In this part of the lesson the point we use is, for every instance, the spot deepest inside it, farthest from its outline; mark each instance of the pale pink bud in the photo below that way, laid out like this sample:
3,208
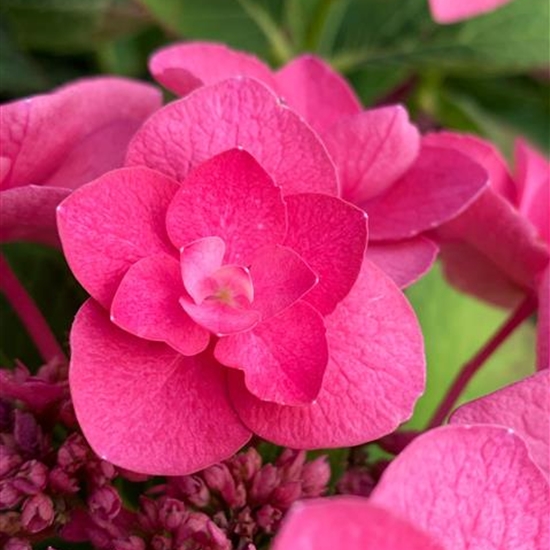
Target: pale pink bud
9,495
268,518
73,453
148,515
131,543
37,513
9,460
291,462
284,495
193,489
315,477
245,466
104,503
61,482
219,478
31,478
264,483
172,513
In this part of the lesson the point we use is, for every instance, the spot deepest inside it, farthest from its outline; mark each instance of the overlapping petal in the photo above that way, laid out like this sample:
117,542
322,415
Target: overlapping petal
523,407
229,196
239,112
146,407
469,487
374,344
348,522
283,358
543,323
111,223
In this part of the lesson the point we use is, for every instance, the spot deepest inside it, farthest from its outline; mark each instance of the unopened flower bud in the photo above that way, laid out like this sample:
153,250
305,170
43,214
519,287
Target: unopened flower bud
264,483
131,543
268,518
315,477
245,466
27,433
219,478
172,513
104,503
9,460
37,513
62,482
160,542
17,544
290,463
73,453
31,477
148,514
284,495
193,489
10,497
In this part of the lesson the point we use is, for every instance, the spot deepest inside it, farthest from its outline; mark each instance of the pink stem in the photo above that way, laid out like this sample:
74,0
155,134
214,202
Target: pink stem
524,310
28,312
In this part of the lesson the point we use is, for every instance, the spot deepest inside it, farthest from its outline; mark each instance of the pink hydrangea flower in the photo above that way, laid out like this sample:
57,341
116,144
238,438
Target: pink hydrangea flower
498,249
405,186
452,11
53,143
230,294
460,486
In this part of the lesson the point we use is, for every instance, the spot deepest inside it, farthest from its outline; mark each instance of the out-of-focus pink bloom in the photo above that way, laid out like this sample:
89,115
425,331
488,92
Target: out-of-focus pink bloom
498,249
451,11
405,186
460,486
230,293
53,143
523,407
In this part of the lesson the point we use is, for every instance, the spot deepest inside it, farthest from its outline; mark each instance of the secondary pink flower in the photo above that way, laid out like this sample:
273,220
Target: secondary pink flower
451,11
498,249
226,298
406,187
53,143
453,487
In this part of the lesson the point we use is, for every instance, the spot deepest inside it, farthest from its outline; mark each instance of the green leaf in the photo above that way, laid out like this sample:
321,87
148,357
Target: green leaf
455,327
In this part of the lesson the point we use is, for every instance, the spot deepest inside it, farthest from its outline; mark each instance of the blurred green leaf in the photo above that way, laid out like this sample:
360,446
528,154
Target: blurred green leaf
455,327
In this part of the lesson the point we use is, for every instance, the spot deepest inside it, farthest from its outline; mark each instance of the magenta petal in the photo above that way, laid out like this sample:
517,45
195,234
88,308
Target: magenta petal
543,323
523,407
350,523
283,358
451,11
146,304
374,376
439,185
75,133
371,150
470,487
331,236
229,196
186,66
143,406
239,112
28,213
318,93
404,261
280,279
113,222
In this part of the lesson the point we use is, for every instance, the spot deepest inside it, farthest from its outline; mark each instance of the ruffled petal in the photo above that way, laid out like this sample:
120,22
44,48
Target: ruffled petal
347,522
371,150
331,236
404,261
229,196
311,87
374,376
113,222
523,407
145,407
146,304
28,213
441,184
283,358
239,112
183,67
469,487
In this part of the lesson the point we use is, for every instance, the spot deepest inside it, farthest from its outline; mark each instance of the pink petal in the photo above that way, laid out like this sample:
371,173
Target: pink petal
311,87
283,358
371,150
113,222
143,406
229,196
331,236
219,317
440,185
451,11
404,261
374,375
146,304
493,227
28,213
471,487
522,406
75,133
533,178
186,66
543,323
280,279
239,112
481,151
350,523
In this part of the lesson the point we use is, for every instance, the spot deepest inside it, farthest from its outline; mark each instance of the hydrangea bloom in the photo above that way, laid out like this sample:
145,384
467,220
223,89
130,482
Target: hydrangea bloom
451,11
498,249
53,143
230,294
469,486
405,186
